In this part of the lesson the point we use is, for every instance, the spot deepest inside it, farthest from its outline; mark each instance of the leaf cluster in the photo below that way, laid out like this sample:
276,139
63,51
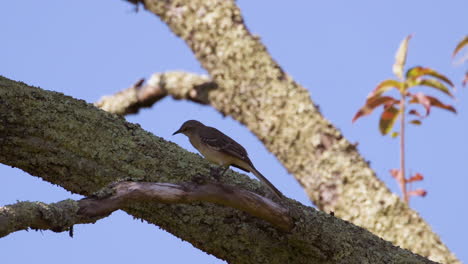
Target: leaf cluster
414,77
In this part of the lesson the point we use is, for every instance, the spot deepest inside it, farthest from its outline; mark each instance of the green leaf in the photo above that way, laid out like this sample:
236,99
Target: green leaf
372,103
400,57
460,45
416,72
416,122
387,119
434,84
385,86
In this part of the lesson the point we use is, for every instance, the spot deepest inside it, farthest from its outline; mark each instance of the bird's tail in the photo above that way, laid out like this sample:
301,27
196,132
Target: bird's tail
267,182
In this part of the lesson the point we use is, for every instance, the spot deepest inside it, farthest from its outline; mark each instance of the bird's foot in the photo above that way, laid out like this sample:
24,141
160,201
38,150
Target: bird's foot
199,178
215,173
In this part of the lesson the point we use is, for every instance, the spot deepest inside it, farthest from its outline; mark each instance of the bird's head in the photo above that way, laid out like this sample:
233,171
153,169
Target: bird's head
189,127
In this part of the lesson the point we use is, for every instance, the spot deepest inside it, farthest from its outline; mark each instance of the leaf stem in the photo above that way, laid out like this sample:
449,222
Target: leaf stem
402,149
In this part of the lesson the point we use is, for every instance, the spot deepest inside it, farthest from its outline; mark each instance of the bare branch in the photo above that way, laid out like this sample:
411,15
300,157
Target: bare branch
127,193
178,84
61,216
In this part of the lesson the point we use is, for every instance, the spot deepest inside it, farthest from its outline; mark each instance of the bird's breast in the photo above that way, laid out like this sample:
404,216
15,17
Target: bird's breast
211,154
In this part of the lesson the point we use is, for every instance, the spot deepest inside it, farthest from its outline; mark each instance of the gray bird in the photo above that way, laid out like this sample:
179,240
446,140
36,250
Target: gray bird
220,149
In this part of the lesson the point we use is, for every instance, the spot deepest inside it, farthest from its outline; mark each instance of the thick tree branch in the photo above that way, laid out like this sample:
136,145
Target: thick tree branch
254,90
61,216
75,145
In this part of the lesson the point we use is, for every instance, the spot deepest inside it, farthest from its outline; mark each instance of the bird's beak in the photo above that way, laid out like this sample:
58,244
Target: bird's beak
177,132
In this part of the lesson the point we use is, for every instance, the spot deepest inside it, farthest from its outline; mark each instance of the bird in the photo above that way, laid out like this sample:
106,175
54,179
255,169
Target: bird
221,150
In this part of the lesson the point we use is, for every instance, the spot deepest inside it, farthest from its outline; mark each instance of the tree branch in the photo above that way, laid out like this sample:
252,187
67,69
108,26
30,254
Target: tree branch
73,144
61,216
254,90
57,217
126,193
140,95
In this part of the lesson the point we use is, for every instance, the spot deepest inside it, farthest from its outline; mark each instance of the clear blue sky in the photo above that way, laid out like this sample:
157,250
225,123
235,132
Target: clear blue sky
338,50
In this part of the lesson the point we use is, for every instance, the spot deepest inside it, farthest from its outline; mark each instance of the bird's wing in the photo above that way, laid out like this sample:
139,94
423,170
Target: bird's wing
221,142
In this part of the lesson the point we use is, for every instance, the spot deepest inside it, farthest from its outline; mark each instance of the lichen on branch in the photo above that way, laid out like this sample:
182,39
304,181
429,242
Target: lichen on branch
81,148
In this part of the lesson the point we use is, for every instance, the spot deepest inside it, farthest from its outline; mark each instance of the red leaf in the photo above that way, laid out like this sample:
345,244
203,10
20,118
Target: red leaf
416,72
416,113
387,119
435,102
465,81
422,99
385,86
428,101
372,103
396,174
418,192
416,177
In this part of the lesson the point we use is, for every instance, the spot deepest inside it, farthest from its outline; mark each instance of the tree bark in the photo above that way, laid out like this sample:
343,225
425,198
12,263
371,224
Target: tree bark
179,85
72,144
253,89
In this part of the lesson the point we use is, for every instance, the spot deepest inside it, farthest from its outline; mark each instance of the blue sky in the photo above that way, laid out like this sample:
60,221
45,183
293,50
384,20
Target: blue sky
338,50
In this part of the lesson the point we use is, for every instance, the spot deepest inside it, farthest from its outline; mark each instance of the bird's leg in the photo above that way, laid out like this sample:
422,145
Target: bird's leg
224,171
217,173
199,178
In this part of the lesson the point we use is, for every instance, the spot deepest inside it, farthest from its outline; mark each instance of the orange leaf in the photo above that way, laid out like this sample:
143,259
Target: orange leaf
460,45
416,177
415,122
387,119
418,192
385,86
400,57
372,103
416,72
